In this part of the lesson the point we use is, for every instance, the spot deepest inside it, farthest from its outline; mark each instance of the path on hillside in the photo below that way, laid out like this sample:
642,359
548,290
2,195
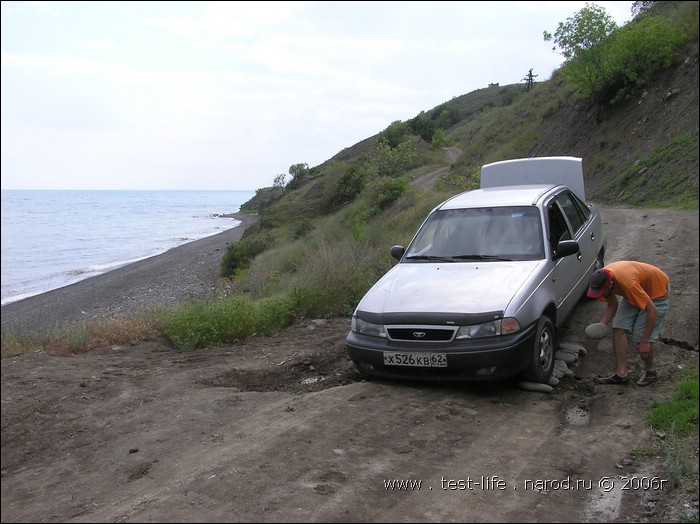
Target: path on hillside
428,180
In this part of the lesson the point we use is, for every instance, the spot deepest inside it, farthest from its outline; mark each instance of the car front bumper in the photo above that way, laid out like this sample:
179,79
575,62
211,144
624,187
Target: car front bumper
484,359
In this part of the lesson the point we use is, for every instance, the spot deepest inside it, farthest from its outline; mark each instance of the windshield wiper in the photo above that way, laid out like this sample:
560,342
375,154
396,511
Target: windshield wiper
480,257
430,258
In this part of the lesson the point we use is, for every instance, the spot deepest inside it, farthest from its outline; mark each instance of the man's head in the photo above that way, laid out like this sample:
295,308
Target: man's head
600,283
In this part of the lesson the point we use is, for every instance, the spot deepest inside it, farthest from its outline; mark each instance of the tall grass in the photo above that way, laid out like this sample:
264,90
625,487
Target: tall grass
85,336
202,324
677,418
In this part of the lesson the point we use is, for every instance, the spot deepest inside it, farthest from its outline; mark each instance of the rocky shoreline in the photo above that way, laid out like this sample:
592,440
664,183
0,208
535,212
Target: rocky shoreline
178,275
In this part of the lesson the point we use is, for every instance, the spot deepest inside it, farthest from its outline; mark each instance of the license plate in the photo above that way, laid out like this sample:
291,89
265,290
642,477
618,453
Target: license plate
423,360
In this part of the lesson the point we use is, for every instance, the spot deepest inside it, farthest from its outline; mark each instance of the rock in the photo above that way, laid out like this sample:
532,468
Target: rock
596,331
534,386
572,348
560,366
671,93
565,356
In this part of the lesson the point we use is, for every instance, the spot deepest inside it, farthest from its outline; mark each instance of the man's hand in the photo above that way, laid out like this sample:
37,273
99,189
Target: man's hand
644,349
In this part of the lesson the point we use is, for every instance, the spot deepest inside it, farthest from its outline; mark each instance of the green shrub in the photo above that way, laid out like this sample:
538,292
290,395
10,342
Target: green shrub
396,132
350,185
438,139
385,191
301,227
637,52
238,256
202,324
608,64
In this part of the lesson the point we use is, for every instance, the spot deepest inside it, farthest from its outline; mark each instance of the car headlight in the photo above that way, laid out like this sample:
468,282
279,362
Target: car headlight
367,328
489,329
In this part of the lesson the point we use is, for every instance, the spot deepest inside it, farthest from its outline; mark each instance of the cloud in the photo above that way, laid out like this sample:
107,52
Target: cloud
100,44
229,94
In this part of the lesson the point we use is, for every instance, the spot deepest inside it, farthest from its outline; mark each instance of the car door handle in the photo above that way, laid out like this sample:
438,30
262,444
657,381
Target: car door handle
592,235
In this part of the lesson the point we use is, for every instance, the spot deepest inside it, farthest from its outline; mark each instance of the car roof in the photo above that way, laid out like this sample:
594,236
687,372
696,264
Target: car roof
525,195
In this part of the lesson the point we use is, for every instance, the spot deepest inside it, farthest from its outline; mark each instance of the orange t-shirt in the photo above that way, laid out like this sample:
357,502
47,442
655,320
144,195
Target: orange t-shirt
638,282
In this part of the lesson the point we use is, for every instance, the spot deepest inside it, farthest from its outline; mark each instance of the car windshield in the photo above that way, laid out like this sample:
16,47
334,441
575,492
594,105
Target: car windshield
496,233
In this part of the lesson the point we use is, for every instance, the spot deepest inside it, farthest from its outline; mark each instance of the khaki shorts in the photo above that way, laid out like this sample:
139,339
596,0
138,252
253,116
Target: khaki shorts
632,319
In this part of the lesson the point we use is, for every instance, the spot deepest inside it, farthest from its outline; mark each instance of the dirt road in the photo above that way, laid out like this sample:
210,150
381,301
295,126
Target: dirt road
428,180
282,430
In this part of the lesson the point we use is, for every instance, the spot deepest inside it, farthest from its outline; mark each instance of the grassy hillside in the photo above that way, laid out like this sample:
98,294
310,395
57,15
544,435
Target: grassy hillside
322,241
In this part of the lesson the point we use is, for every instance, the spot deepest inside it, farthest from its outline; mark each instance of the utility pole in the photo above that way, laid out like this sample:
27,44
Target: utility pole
530,80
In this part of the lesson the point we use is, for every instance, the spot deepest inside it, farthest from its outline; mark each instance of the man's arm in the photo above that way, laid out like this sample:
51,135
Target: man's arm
652,314
611,304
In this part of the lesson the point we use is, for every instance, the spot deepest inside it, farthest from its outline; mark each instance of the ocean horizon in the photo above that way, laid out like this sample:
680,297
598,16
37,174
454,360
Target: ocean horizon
53,238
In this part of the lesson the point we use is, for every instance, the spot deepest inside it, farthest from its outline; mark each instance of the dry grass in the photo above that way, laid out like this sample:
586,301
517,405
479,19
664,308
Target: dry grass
86,336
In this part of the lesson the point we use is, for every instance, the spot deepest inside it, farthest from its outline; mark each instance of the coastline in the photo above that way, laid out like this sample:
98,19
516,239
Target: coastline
180,274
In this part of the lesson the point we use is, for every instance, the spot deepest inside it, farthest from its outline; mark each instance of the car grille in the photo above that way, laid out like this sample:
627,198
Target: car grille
421,333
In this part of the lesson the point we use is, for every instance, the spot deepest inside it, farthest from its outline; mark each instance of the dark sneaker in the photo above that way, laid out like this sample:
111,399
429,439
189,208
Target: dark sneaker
648,377
614,379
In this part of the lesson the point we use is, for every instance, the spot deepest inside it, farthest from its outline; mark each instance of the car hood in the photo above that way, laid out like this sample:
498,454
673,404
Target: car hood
447,288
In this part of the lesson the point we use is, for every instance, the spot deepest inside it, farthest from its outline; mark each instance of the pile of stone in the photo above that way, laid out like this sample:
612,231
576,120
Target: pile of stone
568,353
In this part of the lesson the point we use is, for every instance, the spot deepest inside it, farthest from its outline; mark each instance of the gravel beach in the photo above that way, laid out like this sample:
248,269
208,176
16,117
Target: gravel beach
180,274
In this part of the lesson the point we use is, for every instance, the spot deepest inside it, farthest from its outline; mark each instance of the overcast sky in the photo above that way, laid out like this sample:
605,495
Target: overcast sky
227,95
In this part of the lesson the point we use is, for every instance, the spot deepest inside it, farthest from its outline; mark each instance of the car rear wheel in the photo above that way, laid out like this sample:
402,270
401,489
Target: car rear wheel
600,261
542,363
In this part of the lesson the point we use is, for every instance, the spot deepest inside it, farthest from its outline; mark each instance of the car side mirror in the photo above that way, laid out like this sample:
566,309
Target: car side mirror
397,252
566,248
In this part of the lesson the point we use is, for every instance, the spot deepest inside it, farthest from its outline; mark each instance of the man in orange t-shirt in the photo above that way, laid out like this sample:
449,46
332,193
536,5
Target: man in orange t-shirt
638,311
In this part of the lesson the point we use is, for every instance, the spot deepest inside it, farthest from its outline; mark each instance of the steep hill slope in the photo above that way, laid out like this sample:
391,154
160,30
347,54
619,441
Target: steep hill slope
642,152
621,144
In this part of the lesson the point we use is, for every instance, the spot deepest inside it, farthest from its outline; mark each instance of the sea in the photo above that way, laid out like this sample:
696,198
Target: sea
53,238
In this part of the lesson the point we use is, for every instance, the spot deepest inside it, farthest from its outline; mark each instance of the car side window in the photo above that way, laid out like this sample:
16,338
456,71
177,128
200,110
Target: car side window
573,211
558,230
582,207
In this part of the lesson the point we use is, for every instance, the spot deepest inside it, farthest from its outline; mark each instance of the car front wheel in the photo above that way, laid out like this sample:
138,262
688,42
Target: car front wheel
542,360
